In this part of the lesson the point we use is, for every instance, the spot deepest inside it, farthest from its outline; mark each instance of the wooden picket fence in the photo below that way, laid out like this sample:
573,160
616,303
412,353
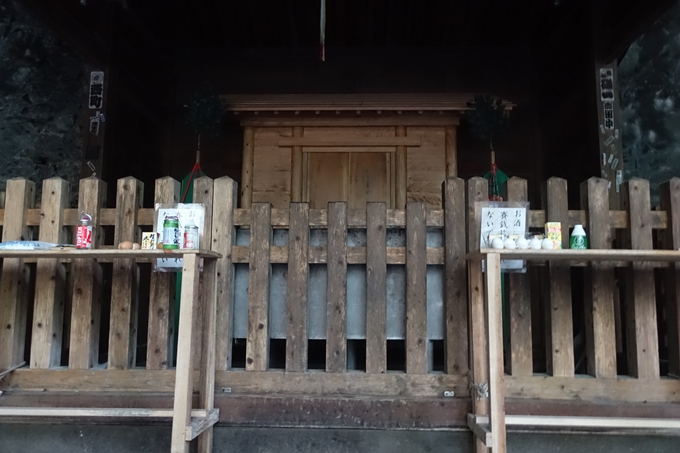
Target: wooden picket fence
65,299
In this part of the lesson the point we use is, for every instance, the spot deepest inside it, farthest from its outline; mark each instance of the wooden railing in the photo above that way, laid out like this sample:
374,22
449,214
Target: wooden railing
52,317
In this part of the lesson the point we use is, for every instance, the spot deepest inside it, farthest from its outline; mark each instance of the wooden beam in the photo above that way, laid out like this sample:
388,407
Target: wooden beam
247,168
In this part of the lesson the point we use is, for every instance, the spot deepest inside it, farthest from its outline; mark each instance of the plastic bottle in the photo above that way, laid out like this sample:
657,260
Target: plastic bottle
578,239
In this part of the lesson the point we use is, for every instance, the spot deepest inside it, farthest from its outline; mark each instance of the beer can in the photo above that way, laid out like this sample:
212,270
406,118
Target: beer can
84,232
171,234
190,236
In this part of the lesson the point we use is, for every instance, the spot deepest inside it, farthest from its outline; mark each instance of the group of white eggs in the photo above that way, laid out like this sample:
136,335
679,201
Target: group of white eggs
522,243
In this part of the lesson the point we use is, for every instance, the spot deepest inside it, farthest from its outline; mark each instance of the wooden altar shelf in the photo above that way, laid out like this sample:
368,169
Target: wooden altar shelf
490,428
187,424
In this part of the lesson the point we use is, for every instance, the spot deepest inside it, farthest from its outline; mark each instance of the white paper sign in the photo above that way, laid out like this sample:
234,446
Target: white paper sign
503,220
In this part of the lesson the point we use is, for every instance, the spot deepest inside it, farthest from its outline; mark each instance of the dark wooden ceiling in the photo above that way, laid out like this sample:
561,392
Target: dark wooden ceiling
173,24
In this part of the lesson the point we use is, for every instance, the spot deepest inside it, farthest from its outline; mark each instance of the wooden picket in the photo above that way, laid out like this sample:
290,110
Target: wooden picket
599,284
416,289
559,328
124,296
376,288
298,269
520,356
641,328
20,196
670,202
257,346
86,307
336,299
161,299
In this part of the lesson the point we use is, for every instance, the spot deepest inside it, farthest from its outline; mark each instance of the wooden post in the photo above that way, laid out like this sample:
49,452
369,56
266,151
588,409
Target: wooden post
477,190
401,174
376,288
223,236
206,326
247,169
451,150
296,168
48,312
20,196
298,271
123,327
560,327
520,361
670,202
257,346
416,289
86,306
161,295
641,329
455,285
336,303
185,370
494,327
599,283
610,131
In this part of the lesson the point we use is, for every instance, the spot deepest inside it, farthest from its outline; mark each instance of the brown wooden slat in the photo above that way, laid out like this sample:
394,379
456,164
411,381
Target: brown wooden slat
416,290
455,286
86,305
225,190
48,311
599,283
206,326
336,303
376,288
123,327
494,327
588,389
520,355
641,328
559,324
298,270
355,255
203,194
19,197
247,382
356,218
257,346
670,202
162,294
477,190
184,378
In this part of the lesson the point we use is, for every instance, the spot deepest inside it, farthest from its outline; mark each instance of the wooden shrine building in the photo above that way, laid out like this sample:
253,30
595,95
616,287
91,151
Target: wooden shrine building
339,283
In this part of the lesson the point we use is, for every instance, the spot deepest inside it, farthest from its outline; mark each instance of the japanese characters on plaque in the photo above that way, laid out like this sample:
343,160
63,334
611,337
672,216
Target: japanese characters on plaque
503,220
96,97
610,147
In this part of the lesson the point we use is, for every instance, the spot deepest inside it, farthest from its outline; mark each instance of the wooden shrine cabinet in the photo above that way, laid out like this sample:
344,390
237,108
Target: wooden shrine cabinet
346,148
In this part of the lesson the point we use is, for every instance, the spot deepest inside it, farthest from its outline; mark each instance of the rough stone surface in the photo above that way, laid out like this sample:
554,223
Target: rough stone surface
43,87
649,77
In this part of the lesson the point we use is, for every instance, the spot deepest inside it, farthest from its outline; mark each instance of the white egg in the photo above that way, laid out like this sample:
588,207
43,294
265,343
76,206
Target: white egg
509,243
497,243
547,244
522,243
535,244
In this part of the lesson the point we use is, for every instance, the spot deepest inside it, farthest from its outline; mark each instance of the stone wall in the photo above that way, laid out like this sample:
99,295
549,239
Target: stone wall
42,93
649,76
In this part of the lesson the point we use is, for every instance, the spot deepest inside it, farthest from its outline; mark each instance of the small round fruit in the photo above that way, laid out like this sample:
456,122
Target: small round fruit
125,245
